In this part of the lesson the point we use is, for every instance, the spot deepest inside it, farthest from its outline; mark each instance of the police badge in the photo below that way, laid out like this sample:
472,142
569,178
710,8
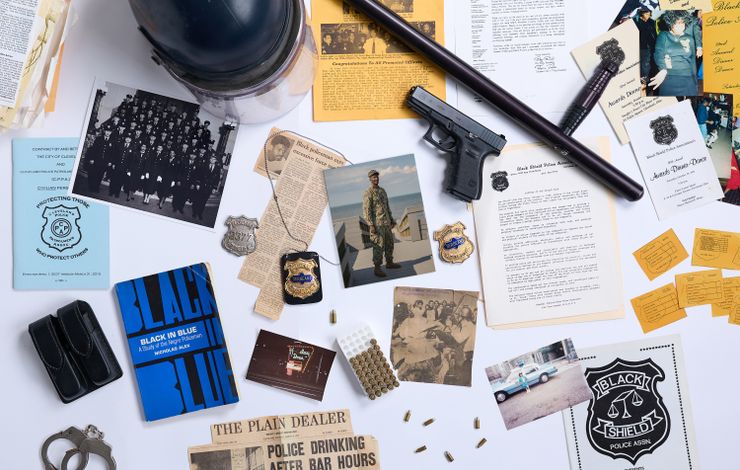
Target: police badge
240,239
499,181
664,131
610,51
301,278
454,245
61,230
627,417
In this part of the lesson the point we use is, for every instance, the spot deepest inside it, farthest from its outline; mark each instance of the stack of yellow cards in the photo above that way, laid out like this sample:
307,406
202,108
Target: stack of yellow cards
665,305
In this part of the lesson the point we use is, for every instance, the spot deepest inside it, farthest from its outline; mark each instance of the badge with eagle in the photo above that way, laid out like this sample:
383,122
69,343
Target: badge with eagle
664,131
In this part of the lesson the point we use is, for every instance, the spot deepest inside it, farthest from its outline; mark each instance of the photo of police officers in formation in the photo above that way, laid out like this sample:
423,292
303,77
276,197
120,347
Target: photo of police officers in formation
143,150
366,38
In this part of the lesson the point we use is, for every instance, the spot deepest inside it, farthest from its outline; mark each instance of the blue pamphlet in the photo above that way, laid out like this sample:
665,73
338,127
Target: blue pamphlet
176,342
59,241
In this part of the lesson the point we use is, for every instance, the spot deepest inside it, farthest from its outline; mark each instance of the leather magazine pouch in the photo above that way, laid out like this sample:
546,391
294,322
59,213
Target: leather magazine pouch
75,351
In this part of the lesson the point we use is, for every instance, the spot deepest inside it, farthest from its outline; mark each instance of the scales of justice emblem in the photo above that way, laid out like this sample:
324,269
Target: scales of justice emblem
626,417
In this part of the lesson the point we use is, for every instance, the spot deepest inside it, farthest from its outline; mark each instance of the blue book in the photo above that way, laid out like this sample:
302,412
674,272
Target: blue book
59,241
176,342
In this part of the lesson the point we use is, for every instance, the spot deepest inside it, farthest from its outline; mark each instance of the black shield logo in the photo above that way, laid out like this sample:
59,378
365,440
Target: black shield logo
499,181
664,131
627,417
609,50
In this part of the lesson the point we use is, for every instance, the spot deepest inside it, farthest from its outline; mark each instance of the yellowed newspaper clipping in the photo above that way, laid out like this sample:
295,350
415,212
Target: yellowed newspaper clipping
364,72
295,426
302,197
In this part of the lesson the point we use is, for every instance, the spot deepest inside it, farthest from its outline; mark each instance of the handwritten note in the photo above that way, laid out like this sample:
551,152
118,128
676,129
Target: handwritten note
661,254
730,291
716,249
658,308
722,49
699,288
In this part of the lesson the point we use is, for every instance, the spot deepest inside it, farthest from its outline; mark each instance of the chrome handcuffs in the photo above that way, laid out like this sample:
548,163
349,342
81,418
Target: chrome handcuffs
89,441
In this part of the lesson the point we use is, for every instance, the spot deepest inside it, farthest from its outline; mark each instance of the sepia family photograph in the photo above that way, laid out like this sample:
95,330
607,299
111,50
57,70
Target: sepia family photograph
433,337
379,222
366,38
538,383
153,153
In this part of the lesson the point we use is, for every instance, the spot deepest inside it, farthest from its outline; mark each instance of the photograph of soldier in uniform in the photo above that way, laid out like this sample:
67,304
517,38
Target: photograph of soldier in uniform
713,113
221,459
538,383
153,153
366,38
433,336
379,223
672,57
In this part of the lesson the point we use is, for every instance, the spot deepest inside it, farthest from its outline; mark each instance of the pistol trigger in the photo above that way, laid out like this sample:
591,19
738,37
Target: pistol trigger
438,137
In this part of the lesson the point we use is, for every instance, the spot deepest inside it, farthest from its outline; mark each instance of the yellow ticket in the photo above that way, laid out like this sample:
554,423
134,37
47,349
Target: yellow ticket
734,317
715,249
660,254
699,288
658,308
730,290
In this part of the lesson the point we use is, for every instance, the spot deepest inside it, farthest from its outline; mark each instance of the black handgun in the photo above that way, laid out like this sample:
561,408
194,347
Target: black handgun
453,132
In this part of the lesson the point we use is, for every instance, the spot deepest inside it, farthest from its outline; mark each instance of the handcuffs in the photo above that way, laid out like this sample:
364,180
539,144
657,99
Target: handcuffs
89,441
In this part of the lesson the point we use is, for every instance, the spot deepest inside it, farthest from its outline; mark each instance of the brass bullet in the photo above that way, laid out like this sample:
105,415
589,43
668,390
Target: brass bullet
449,457
407,416
476,423
480,443
428,422
420,449
333,317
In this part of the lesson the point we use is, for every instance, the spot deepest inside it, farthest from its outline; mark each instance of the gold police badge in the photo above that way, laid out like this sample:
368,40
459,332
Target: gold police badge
301,280
454,245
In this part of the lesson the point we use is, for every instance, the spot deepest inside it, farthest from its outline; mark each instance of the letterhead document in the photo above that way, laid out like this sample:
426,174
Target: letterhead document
640,416
547,240
59,241
524,47
674,160
622,98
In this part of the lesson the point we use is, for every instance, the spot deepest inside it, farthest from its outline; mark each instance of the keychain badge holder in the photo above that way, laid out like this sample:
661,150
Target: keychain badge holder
89,441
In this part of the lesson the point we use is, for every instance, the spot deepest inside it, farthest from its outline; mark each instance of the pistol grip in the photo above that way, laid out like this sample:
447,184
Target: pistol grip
466,181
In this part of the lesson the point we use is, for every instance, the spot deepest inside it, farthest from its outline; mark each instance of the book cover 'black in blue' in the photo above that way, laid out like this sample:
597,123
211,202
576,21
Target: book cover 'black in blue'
177,345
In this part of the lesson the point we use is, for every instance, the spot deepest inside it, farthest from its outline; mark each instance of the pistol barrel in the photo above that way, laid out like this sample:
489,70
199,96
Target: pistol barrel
499,98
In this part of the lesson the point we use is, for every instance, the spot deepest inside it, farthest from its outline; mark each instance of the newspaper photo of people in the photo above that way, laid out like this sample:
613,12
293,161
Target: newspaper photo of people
276,152
379,222
397,6
153,153
366,38
538,383
248,458
433,337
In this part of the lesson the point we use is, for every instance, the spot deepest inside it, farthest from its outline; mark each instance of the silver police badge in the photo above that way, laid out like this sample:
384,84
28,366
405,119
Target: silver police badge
240,239
664,131
499,182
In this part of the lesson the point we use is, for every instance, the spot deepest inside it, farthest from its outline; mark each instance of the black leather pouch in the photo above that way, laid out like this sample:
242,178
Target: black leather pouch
75,351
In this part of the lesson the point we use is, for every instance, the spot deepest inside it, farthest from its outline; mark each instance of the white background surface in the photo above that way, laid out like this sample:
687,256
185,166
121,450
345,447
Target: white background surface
105,42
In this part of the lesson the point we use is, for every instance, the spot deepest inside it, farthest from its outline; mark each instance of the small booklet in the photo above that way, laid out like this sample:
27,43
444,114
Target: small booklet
640,415
176,342
59,241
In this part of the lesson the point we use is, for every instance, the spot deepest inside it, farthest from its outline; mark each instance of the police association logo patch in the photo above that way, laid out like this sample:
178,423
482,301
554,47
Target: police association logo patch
664,131
627,417
609,50
239,238
499,181
61,229
454,245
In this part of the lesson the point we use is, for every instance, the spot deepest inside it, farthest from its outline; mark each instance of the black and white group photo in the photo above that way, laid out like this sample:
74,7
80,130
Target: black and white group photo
153,153
366,38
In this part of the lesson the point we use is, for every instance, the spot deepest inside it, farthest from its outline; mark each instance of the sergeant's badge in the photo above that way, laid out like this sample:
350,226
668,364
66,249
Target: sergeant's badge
454,245
240,239
301,278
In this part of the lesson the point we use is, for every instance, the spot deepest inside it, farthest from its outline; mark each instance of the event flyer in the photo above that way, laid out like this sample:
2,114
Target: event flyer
674,160
59,241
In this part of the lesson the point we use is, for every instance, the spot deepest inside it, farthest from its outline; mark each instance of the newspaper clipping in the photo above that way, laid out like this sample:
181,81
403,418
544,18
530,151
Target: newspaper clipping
364,72
302,197
322,423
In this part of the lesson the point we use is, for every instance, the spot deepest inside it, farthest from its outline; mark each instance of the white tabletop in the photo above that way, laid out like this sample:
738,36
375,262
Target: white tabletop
105,42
